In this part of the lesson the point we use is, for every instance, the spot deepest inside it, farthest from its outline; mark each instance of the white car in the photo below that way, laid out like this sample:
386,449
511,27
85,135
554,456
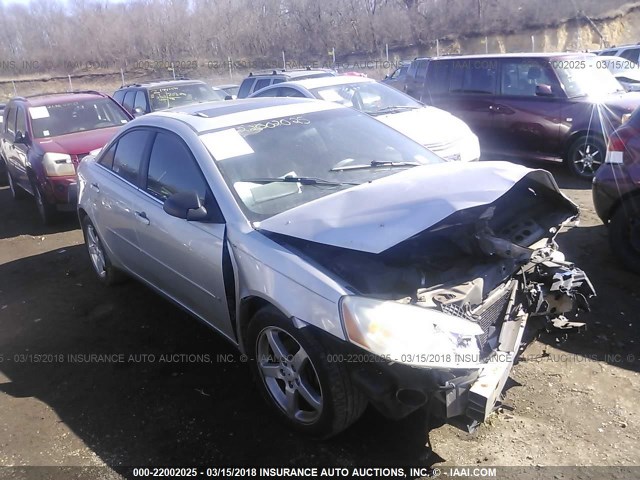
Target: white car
439,131
626,71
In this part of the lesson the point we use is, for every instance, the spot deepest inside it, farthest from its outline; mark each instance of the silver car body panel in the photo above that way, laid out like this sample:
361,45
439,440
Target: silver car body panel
375,216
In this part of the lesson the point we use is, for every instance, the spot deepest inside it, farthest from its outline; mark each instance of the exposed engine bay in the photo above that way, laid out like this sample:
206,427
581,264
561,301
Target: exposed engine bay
488,263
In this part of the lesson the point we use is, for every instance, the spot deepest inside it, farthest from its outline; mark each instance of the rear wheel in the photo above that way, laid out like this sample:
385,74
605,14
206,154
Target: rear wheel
106,273
586,154
47,211
311,394
17,192
624,235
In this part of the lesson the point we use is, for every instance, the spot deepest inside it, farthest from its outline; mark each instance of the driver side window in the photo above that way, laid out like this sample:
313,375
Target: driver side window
173,169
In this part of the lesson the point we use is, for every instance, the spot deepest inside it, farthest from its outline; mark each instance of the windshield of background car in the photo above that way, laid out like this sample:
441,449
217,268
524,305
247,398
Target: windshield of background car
369,97
585,76
319,144
79,116
180,95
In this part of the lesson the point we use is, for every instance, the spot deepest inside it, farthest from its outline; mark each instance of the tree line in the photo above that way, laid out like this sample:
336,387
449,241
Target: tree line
51,35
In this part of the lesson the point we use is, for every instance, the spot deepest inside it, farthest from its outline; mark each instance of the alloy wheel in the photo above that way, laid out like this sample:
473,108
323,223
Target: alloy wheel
289,375
96,253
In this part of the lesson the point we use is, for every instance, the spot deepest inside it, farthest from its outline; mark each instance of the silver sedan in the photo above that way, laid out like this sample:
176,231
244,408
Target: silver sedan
350,264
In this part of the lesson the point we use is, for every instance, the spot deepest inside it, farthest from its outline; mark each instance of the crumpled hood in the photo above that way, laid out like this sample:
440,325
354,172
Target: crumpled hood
427,126
375,216
78,143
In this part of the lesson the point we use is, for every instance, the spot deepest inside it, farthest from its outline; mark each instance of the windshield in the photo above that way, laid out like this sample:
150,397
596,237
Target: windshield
181,95
369,97
316,148
79,116
585,76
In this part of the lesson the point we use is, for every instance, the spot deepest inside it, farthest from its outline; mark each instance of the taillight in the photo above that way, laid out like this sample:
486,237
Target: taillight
618,144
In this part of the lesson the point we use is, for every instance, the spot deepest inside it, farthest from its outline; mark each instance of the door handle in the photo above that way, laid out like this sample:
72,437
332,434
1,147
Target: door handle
95,187
142,217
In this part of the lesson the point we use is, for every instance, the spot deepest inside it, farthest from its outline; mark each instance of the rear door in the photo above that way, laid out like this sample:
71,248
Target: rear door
527,124
182,258
470,94
113,186
21,150
415,78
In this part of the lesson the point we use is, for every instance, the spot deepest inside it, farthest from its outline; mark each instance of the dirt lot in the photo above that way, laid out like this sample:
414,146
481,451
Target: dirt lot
572,401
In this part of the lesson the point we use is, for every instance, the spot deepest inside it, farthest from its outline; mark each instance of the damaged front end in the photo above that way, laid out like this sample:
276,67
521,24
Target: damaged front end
445,310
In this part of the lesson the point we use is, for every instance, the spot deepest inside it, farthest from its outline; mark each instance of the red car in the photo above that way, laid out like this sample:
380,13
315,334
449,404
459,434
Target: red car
616,192
43,139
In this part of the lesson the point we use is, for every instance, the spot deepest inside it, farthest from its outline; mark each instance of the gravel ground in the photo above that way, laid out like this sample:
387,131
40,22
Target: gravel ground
572,401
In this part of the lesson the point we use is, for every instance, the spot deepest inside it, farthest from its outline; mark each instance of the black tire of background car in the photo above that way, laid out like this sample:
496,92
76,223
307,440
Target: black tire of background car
17,193
47,211
4,173
626,215
343,402
112,276
582,142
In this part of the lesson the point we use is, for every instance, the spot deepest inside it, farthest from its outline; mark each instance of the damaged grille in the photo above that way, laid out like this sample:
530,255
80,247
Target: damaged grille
489,314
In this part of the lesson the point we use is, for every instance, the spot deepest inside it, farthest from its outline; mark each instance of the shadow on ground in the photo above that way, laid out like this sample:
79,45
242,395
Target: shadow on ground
21,218
190,408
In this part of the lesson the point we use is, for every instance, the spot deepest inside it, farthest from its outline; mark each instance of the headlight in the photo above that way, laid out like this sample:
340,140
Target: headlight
409,334
58,165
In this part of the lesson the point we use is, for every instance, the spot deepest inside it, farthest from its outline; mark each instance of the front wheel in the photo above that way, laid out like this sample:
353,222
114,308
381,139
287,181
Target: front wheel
624,235
47,211
586,154
17,192
311,394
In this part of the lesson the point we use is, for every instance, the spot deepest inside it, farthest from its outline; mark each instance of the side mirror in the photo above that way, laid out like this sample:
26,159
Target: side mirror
544,90
186,205
22,137
386,76
228,97
138,111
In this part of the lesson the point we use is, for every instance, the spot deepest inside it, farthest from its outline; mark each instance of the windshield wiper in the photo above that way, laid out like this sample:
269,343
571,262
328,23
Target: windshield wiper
375,164
300,180
394,108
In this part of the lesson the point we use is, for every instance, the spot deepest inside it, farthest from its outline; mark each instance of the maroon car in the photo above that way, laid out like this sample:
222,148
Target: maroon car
551,106
616,192
43,139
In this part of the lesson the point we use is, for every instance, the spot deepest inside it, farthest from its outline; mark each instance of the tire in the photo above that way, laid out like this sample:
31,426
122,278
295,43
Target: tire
323,399
102,267
47,211
624,235
17,192
585,155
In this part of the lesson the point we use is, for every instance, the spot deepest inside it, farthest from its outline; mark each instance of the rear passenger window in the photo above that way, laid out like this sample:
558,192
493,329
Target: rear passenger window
118,96
473,76
421,73
289,92
128,155
11,121
128,100
263,82
245,87
631,54
438,78
173,169
141,101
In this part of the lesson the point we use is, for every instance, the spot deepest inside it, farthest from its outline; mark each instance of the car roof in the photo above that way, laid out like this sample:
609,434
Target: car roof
302,72
162,83
203,117
54,98
508,55
311,83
